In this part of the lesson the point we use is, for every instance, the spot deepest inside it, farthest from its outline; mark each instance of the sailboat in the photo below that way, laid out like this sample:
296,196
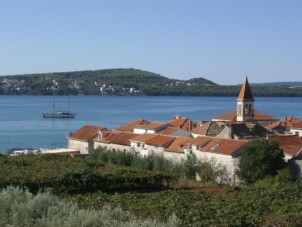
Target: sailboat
58,114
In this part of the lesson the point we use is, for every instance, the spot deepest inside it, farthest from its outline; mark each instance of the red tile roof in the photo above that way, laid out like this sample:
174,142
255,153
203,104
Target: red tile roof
152,126
201,140
161,140
245,93
143,138
202,129
129,127
183,123
107,138
232,116
298,125
87,132
274,126
290,144
120,138
178,144
224,146
288,122
167,131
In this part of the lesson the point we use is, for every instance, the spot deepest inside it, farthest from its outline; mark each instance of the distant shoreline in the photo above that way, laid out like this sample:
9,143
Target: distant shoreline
218,95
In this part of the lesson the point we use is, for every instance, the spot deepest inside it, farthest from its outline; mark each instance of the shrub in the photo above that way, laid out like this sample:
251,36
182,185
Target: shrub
21,208
152,162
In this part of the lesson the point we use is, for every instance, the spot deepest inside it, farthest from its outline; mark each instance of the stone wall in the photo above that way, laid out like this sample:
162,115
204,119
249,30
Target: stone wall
112,147
81,146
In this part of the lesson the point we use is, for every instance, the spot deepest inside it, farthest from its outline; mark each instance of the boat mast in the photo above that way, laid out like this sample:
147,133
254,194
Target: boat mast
53,103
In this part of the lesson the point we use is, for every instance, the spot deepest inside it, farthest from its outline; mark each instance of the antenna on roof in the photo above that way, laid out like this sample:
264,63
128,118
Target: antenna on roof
245,74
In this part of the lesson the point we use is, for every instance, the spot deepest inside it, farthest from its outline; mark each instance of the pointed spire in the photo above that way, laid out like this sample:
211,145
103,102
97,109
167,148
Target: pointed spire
246,93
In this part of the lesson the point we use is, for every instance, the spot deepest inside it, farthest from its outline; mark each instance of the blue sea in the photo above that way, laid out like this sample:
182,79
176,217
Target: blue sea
22,124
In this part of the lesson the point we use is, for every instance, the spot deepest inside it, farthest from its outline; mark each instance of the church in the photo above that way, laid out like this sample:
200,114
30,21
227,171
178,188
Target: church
246,112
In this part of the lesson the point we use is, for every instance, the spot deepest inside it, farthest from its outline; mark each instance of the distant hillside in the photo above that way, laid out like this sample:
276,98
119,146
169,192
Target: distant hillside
98,82
129,82
279,84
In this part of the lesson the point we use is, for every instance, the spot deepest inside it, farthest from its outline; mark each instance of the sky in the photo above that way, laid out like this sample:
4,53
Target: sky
219,40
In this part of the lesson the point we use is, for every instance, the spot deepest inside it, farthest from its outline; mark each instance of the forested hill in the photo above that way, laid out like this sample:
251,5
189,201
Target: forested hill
126,82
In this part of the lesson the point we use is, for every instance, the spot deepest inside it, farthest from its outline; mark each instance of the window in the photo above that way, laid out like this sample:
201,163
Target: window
239,110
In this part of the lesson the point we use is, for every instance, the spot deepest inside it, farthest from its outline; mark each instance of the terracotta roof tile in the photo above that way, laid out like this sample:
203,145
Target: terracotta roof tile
143,138
246,93
183,123
274,126
290,144
224,146
202,129
288,122
258,116
152,126
120,138
168,130
297,125
107,138
161,140
124,138
230,116
178,144
201,141
87,132
129,127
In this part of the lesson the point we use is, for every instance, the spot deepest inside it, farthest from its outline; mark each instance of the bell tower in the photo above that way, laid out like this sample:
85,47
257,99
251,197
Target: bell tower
245,103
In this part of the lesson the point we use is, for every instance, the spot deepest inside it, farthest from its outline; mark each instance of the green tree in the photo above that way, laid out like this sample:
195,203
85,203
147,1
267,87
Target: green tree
261,158
190,166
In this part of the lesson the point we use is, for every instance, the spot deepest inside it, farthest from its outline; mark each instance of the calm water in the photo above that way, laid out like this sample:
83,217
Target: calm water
22,125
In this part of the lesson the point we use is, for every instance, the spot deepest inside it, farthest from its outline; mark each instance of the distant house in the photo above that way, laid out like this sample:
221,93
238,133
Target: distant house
225,152
147,144
297,129
183,123
139,144
150,128
285,125
114,141
157,144
176,150
82,140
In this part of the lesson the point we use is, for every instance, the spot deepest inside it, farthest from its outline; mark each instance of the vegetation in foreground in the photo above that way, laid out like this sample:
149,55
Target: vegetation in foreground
22,208
151,188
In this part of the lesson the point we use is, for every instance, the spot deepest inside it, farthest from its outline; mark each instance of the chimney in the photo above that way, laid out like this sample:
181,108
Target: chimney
176,117
100,135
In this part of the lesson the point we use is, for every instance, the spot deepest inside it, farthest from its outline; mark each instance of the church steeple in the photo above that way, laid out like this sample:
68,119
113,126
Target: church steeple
245,93
245,103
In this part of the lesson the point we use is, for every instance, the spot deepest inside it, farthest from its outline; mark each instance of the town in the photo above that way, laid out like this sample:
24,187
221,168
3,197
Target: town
222,139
